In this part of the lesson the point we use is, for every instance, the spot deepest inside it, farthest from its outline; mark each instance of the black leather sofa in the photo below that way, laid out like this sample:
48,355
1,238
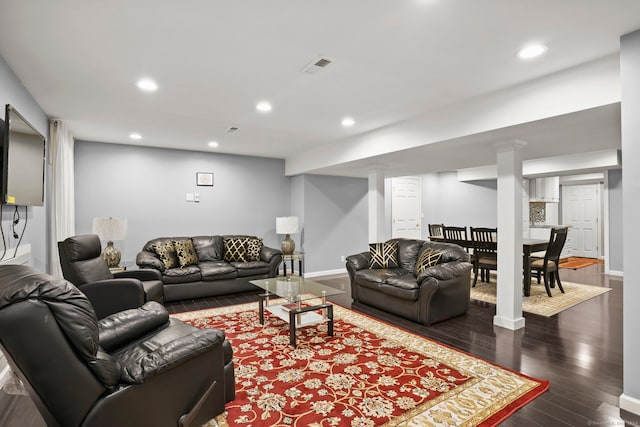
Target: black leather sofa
214,272
134,367
437,293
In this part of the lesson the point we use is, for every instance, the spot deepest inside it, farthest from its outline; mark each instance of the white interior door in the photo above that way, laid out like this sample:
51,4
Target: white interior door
406,209
580,210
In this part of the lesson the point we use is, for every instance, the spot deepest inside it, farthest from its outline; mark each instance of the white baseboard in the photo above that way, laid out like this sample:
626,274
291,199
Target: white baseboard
615,273
630,404
325,273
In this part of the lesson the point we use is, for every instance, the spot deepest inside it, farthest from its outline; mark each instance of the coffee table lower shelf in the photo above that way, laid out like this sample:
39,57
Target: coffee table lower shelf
298,318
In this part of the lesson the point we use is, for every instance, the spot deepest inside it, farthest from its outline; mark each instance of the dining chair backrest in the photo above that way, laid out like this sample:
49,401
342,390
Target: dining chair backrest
435,230
485,240
556,243
457,235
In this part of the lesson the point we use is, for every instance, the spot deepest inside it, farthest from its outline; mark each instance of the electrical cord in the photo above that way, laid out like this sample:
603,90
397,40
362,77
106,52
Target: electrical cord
4,240
26,219
16,221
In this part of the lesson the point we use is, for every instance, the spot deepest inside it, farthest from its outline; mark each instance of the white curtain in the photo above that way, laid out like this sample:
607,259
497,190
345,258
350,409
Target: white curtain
62,201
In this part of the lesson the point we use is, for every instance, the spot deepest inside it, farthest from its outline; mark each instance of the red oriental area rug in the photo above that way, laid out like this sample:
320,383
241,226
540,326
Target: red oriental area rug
368,374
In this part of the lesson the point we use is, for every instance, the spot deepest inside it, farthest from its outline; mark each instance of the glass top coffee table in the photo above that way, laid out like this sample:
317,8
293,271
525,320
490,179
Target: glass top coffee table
293,291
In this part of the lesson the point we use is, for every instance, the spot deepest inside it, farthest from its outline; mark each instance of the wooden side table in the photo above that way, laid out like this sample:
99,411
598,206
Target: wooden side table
299,256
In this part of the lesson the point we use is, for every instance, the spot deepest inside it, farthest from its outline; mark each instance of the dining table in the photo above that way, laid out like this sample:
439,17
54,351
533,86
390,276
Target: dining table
529,246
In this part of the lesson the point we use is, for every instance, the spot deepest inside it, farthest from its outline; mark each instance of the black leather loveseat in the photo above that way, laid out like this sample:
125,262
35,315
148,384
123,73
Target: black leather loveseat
424,281
204,266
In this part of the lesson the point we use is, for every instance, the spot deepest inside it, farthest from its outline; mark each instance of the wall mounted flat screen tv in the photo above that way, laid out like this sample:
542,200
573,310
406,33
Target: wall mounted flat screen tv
22,164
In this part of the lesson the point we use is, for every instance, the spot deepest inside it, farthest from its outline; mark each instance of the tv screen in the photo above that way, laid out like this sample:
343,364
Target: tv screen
23,161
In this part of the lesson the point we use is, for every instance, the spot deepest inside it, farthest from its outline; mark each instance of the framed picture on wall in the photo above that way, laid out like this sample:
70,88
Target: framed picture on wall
204,179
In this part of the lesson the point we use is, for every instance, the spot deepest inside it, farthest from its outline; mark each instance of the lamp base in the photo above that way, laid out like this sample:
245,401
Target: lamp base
111,255
288,245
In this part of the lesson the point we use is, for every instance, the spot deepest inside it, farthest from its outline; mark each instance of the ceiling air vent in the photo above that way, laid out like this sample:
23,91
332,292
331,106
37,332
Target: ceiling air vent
232,129
317,65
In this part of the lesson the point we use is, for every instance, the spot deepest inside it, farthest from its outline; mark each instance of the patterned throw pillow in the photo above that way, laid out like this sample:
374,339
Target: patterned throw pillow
384,255
235,250
427,258
167,254
254,246
186,252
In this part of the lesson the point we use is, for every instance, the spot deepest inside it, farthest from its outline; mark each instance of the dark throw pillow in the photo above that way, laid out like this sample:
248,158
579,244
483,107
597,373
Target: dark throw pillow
427,258
235,250
384,255
167,254
254,246
186,252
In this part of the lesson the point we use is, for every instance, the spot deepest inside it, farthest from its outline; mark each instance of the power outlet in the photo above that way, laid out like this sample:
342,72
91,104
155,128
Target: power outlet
343,258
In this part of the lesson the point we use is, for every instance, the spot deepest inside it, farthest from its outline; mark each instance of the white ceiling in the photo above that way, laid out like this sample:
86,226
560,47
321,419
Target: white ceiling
394,61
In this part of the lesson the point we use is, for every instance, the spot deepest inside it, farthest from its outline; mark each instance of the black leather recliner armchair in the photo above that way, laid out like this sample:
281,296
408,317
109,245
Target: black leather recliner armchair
83,266
137,367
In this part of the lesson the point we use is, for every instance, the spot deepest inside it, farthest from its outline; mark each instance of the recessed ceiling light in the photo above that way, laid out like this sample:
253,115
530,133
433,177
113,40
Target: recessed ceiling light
532,51
213,144
147,85
135,136
263,106
348,122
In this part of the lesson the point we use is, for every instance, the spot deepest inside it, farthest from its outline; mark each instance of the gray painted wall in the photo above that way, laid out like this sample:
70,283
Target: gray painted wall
335,220
148,187
630,82
445,200
13,92
615,220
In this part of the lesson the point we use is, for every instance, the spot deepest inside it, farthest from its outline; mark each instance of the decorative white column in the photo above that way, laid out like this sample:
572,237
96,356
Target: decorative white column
376,206
630,112
509,295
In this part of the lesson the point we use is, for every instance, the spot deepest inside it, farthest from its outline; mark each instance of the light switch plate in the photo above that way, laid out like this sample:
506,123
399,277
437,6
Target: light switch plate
189,197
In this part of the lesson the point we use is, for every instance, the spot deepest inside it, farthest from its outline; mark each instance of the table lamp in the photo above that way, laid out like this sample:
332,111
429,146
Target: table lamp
110,229
287,225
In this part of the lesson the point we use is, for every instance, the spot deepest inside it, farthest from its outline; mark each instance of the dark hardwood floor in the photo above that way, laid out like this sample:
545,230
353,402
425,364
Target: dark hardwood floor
579,351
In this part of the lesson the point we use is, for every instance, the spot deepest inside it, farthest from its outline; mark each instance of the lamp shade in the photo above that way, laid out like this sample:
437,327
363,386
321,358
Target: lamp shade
286,224
110,228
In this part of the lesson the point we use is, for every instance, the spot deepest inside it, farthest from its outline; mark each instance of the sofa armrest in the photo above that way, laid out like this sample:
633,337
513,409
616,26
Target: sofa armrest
138,369
359,261
143,274
146,259
267,253
114,295
126,326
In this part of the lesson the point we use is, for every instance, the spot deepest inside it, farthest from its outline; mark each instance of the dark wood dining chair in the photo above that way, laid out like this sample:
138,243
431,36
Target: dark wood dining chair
485,250
458,236
549,265
435,230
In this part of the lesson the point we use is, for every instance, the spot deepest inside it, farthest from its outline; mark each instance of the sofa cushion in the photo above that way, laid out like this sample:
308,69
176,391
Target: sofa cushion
209,248
377,275
235,249
254,246
400,286
185,252
217,270
190,273
408,250
384,255
428,258
167,254
251,268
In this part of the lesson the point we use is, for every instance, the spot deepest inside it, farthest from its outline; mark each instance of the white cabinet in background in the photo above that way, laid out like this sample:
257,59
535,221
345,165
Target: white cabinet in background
545,189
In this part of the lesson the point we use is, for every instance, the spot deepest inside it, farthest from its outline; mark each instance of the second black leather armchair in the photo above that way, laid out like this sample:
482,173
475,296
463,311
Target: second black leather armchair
83,266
